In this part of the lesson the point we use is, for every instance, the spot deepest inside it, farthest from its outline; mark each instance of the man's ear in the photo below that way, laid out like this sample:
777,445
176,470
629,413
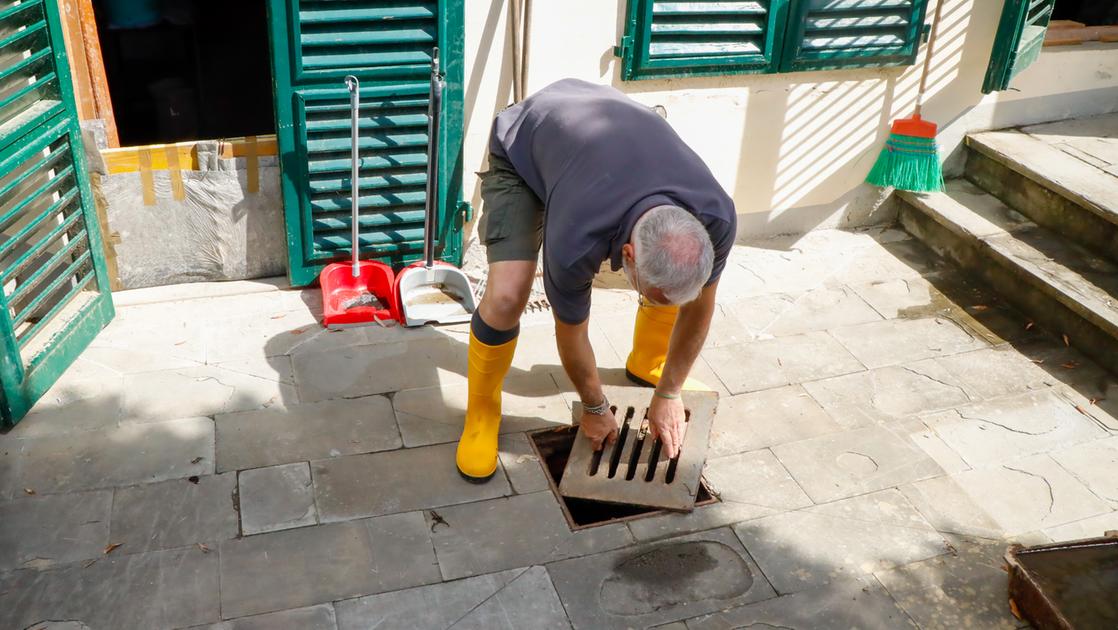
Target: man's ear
628,252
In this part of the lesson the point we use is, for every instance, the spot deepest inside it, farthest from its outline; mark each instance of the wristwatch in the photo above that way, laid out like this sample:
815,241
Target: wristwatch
598,409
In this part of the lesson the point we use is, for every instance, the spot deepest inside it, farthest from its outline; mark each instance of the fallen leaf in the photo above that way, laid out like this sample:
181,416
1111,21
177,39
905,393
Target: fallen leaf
1067,342
1082,411
280,316
203,548
181,342
1014,609
1095,401
298,331
192,479
88,563
1029,325
1070,365
112,546
980,307
196,460
29,491
1038,361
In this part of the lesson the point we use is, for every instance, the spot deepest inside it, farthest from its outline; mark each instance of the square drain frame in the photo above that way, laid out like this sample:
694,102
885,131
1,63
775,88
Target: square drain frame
553,447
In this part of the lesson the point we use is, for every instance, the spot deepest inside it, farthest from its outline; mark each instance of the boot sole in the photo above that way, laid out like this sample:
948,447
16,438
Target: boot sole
476,480
638,380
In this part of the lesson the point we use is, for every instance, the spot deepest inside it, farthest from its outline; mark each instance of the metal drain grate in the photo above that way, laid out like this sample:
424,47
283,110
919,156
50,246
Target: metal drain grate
633,470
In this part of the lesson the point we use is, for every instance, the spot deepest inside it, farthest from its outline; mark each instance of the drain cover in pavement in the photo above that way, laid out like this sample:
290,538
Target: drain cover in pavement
633,470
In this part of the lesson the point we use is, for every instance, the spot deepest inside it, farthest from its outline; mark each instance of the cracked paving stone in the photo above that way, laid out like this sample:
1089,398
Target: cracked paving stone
43,531
1025,495
159,589
839,606
509,600
841,465
175,513
516,531
997,372
333,428
354,371
836,541
396,481
275,498
1002,430
524,469
199,391
887,394
1087,528
759,365
319,617
965,588
335,561
1095,465
823,308
761,419
895,341
659,582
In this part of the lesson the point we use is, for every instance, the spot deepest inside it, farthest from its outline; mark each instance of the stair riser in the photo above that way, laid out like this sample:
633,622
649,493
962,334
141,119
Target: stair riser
1043,206
1017,286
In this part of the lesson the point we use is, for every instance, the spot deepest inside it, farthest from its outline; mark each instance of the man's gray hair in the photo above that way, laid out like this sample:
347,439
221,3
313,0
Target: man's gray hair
674,253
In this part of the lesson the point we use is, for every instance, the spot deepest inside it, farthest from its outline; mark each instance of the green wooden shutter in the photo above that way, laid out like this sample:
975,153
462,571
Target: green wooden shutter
55,294
1018,42
677,39
824,34
387,45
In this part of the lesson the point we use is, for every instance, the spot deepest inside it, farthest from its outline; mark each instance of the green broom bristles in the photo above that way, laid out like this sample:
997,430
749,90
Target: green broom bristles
908,163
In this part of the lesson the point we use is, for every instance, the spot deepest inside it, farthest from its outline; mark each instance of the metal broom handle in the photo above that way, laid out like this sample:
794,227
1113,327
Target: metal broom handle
354,106
434,107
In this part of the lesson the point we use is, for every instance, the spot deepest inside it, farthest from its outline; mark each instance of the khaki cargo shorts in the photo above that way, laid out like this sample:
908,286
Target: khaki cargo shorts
511,225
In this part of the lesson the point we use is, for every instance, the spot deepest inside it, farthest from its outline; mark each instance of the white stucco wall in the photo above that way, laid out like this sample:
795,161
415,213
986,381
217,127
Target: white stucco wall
792,149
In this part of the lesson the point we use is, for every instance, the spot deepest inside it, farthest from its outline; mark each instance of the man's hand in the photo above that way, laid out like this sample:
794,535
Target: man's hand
666,418
600,429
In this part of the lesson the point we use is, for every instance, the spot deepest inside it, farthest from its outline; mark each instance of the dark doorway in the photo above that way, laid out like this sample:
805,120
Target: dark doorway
183,70
1089,12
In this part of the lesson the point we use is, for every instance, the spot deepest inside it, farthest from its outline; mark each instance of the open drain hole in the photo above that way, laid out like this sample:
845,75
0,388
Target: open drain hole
553,446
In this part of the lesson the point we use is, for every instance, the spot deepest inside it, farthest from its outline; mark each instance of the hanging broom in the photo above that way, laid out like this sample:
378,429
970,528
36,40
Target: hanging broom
910,159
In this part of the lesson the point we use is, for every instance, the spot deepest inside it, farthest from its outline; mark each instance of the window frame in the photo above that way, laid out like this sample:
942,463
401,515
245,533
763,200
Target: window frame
1005,61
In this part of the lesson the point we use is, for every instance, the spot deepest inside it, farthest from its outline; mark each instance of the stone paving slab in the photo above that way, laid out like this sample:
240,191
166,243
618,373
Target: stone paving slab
702,518
849,538
120,456
965,588
396,481
310,618
823,308
767,418
43,531
277,368
896,341
175,513
509,600
1002,430
660,582
1095,465
83,399
252,439
161,589
904,258
9,469
1028,494
334,561
510,532
887,394
843,605
276,497
1087,528
778,362
913,431
841,465
355,371
998,372
522,466
199,391
435,415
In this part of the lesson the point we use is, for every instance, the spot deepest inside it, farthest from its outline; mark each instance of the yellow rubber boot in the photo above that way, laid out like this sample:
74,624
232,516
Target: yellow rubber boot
477,448
652,332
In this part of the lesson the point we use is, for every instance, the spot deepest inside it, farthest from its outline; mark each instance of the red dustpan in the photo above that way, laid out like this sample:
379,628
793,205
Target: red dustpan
359,292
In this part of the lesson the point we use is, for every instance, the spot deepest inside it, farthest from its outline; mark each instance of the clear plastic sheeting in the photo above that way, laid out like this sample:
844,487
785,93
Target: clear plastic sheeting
215,230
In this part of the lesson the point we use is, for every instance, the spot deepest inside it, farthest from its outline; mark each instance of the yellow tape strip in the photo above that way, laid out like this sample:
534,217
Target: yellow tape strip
147,182
252,165
175,170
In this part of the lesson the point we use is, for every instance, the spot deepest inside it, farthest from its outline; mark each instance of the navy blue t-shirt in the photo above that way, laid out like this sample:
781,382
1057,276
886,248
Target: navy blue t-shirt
599,160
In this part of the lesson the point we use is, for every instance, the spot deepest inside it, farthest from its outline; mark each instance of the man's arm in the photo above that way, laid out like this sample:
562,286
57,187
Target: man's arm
577,356
665,412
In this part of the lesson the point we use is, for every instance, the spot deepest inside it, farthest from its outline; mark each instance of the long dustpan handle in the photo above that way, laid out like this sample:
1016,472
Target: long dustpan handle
354,160
434,108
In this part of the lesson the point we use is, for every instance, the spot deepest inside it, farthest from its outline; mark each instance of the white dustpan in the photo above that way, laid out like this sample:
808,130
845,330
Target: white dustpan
430,291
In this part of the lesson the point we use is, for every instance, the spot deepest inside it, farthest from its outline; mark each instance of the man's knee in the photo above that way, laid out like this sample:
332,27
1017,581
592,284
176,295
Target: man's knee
506,303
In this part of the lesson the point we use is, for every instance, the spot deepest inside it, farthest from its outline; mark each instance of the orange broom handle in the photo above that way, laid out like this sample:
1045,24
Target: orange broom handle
928,57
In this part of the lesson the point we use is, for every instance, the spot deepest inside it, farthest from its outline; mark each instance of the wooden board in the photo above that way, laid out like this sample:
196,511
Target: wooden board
642,475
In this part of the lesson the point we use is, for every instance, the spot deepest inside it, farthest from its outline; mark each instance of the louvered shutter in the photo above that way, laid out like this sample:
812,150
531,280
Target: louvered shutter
672,39
826,34
1019,41
55,294
387,44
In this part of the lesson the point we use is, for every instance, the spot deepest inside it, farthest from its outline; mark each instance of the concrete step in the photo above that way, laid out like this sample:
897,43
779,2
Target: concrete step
1061,285
1061,182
